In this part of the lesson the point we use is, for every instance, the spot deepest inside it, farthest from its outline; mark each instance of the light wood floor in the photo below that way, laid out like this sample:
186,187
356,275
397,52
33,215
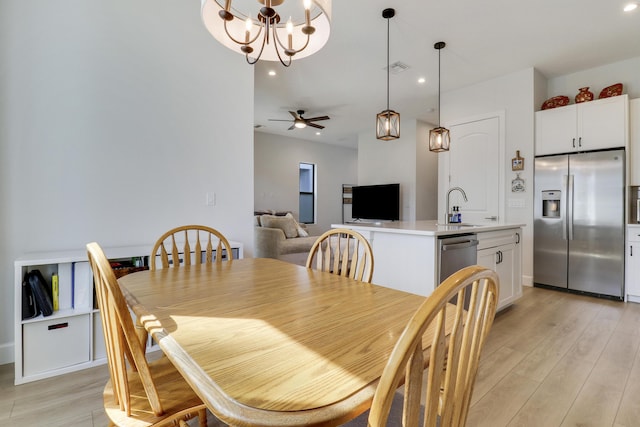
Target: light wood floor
553,359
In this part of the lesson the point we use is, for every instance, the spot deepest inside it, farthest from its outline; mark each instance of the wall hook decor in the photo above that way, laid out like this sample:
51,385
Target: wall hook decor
517,163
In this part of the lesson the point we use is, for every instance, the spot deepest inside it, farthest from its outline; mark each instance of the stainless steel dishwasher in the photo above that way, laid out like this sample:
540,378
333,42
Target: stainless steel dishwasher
456,252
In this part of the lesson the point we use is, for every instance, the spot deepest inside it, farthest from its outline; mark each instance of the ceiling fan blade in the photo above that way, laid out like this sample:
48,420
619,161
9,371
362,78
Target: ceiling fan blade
295,115
313,125
292,127
313,119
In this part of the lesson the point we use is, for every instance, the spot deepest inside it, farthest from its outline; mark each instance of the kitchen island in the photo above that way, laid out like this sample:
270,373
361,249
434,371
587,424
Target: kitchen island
407,253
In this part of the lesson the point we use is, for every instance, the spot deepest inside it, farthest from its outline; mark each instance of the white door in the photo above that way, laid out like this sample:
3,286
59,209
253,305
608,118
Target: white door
475,166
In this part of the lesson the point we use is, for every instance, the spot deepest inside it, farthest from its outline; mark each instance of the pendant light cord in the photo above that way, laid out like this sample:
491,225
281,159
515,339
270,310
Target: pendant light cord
439,50
388,64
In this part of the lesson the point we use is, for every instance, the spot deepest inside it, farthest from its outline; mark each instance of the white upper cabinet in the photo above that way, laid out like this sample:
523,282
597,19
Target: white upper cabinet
591,125
634,141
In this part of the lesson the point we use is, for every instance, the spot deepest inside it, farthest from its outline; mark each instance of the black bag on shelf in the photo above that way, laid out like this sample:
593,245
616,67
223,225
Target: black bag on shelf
28,303
41,292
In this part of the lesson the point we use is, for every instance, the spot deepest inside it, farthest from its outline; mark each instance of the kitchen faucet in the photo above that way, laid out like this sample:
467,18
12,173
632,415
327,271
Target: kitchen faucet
446,215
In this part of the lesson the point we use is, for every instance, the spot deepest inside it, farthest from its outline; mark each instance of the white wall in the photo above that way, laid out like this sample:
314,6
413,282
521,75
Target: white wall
626,72
116,117
407,161
277,159
513,94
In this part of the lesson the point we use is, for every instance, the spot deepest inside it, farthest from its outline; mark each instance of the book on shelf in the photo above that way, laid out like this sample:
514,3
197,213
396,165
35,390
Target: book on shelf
55,292
65,285
82,285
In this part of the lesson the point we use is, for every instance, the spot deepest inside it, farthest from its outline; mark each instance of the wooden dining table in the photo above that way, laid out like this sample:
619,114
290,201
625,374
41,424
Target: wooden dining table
268,343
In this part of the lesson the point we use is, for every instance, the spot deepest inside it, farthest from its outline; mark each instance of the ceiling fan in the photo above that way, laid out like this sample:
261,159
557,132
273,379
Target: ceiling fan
301,122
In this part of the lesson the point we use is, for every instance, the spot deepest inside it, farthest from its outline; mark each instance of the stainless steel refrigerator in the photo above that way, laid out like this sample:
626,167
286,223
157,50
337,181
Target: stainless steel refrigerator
579,222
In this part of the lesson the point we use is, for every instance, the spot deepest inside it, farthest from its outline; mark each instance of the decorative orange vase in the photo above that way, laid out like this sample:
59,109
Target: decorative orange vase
584,95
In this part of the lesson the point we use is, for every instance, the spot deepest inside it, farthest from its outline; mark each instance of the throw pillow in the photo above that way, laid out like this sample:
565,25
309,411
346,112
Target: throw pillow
301,231
286,224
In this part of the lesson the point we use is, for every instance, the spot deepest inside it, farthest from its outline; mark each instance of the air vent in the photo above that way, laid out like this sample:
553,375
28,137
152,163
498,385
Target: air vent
398,67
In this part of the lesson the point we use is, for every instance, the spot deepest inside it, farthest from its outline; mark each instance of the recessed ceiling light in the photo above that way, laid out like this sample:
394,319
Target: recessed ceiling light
630,6
318,133
272,73
421,80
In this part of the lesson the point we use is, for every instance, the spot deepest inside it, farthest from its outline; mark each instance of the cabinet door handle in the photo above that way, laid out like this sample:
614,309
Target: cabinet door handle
573,142
580,142
58,326
498,257
517,238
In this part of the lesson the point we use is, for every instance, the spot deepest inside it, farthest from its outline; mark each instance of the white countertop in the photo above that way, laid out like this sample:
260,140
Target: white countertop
426,227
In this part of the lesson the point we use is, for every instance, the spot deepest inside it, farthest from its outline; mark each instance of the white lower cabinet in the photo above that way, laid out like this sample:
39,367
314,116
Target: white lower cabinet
55,344
632,273
501,251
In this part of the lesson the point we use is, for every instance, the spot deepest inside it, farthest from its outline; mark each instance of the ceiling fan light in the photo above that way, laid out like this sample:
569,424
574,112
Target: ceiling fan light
300,124
388,125
439,139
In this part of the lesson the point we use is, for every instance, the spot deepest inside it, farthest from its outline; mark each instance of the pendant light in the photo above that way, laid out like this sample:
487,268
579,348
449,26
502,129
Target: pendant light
388,121
439,139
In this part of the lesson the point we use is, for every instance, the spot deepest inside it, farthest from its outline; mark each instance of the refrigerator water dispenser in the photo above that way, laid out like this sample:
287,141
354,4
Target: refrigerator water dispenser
551,203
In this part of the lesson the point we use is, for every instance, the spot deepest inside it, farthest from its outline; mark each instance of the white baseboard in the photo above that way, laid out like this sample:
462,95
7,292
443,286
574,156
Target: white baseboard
527,280
7,354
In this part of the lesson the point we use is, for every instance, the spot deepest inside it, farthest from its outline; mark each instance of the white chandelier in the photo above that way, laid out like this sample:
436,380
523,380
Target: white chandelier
263,35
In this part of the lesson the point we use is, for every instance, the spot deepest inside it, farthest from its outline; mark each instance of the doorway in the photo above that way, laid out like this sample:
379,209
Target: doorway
475,163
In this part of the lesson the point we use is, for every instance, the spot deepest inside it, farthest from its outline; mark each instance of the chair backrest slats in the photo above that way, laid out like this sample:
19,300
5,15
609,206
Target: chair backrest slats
344,252
198,248
463,307
192,235
186,251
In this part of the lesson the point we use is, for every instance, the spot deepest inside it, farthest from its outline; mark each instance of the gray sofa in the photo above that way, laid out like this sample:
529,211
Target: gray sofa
281,237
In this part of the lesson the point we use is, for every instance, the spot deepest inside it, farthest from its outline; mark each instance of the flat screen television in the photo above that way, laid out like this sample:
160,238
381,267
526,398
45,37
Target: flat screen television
376,202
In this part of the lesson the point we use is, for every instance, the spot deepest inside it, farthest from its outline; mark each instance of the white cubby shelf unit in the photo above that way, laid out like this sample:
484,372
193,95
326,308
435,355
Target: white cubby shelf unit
71,338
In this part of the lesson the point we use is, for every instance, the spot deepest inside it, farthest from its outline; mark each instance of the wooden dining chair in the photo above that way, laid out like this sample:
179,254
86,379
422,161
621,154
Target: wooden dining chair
452,361
147,393
342,251
184,245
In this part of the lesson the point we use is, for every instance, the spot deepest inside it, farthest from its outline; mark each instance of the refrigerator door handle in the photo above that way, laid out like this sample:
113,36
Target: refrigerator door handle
563,210
570,207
